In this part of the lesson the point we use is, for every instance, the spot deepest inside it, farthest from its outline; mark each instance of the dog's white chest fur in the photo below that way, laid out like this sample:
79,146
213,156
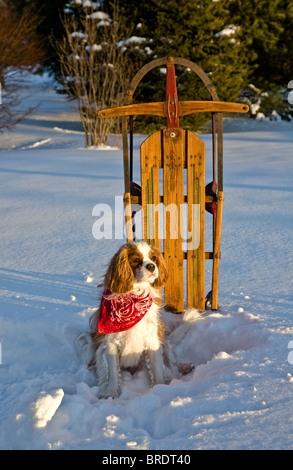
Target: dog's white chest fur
135,341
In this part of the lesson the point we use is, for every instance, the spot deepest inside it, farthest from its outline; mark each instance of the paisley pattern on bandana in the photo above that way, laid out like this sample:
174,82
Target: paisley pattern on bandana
120,312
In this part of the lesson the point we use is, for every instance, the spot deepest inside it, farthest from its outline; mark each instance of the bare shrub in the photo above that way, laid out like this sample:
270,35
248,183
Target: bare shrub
94,70
21,49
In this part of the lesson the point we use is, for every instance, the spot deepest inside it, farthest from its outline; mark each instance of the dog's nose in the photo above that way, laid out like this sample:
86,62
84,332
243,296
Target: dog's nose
150,267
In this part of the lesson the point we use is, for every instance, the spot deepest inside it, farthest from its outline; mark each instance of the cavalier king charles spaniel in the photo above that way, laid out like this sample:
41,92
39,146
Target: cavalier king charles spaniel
127,331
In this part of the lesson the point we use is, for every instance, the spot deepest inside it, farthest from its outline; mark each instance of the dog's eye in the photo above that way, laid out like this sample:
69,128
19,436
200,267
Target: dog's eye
136,261
154,258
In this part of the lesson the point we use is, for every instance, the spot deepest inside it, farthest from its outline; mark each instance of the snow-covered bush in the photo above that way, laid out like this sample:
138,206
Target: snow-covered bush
93,67
270,105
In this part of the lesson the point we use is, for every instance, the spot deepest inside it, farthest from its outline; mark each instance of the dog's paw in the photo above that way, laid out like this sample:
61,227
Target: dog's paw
185,367
110,393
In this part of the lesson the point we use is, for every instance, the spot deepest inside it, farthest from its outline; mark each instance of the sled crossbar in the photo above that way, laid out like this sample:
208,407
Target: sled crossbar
185,108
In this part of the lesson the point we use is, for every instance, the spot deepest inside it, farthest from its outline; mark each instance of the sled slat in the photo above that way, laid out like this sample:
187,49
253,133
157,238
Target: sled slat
128,217
196,222
174,159
151,159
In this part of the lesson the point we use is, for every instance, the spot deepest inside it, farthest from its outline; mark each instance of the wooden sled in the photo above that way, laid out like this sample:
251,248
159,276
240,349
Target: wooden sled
173,209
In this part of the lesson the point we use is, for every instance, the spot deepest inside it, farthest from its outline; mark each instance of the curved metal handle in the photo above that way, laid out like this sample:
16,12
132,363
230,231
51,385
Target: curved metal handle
171,60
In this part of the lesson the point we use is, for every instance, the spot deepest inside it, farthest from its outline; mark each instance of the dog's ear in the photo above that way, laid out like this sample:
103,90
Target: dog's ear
163,272
119,276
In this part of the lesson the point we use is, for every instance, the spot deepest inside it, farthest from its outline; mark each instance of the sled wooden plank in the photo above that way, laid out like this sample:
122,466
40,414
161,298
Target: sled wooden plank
127,196
196,222
173,164
151,161
128,217
217,254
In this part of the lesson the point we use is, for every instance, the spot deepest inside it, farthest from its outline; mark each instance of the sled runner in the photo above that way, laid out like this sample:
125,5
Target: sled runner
174,200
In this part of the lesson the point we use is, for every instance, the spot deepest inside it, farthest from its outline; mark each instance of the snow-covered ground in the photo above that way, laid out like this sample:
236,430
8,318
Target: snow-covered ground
240,395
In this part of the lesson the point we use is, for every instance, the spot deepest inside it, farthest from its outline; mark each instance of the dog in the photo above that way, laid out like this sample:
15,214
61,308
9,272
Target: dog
127,331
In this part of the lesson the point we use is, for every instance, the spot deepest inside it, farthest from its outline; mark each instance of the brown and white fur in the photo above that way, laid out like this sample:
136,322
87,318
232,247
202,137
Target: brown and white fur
138,268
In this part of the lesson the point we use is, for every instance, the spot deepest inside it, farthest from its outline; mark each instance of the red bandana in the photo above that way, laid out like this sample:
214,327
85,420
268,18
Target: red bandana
120,312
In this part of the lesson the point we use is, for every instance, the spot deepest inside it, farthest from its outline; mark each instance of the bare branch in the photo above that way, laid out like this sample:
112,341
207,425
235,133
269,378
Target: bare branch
20,48
94,71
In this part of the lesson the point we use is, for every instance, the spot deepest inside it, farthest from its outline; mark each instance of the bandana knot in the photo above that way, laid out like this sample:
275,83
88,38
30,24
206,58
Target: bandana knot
120,312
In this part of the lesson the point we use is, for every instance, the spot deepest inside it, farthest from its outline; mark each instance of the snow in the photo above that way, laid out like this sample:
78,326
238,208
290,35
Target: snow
135,39
46,406
78,34
95,48
99,15
240,394
131,40
227,31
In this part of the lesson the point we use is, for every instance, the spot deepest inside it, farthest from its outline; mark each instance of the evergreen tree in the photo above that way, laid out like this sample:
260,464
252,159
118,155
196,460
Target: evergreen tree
265,31
200,31
237,42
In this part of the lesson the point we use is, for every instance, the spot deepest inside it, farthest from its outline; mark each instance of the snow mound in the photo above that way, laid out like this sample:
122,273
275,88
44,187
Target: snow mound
46,406
218,333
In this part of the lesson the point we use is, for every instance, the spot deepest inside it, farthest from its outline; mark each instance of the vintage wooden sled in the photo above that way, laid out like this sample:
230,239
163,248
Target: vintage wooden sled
174,200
